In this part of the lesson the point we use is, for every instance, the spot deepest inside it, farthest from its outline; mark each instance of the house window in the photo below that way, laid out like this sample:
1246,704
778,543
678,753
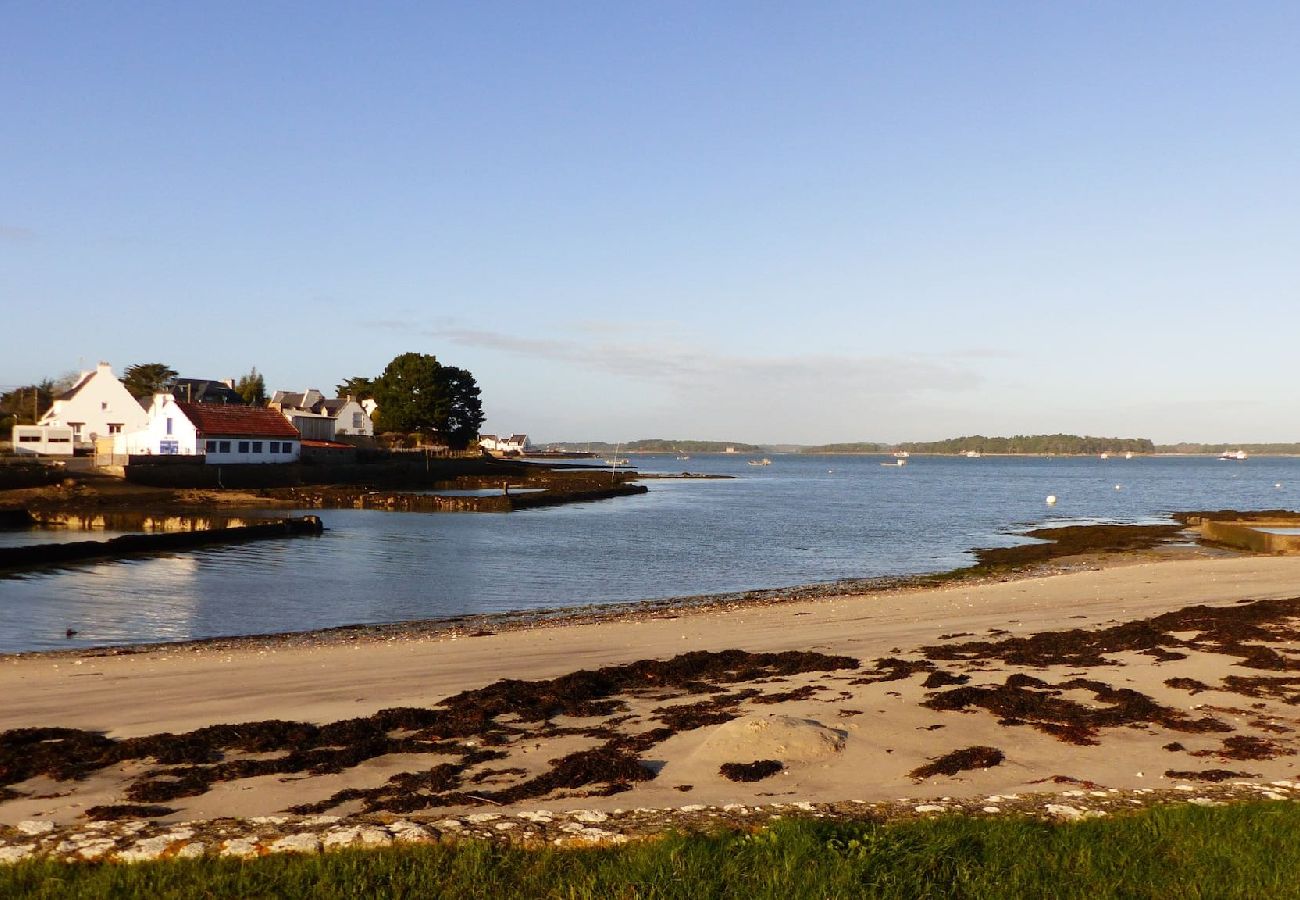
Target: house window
76,428
169,424
273,447
103,407
29,438
356,421
114,427
212,447
243,446
287,447
257,446
225,446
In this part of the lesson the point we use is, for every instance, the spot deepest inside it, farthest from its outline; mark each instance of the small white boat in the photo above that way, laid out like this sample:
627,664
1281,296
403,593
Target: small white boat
760,462
972,454
895,464
1234,455
619,461
1128,455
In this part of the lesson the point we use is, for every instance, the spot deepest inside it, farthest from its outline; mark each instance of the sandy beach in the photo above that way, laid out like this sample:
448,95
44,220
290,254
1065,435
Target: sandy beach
1104,677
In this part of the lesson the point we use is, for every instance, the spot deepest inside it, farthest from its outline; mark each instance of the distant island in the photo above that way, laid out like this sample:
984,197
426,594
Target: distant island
1021,444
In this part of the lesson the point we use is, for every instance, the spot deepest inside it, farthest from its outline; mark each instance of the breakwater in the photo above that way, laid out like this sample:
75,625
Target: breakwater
31,556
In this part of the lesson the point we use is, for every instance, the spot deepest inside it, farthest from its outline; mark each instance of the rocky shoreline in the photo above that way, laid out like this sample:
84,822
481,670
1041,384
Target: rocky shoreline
137,840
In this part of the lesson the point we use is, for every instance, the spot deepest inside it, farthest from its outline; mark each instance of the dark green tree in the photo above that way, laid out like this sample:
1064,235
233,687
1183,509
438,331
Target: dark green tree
252,387
144,380
24,405
464,411
416,393
357,387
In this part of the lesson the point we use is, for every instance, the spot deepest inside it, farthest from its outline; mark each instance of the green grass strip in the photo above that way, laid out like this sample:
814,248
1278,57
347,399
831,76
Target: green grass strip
1240,851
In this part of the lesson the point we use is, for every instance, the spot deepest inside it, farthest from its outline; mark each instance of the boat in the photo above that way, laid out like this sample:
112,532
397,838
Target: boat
1105,455
895,464
682,456
1128,455
1234,455
618,461
901,454
760,462
972,454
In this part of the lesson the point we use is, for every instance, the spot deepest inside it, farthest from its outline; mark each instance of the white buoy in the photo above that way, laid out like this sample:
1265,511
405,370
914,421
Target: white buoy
1119,487
1278,485
1051,499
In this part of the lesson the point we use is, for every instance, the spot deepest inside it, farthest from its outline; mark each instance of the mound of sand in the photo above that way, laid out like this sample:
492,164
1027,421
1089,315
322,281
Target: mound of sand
783,738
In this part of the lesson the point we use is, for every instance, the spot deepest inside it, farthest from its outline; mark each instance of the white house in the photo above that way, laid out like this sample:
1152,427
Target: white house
319,418
514,445
220,434
350,417
98,405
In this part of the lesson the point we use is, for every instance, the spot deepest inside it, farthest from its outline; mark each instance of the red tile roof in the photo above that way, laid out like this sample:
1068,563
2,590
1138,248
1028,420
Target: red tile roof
225,420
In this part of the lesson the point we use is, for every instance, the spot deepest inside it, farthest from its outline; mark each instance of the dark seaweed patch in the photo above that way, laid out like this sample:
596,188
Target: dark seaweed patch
1191,685
753,771
1024,700
1211,775
940,678
1244,747
959,761
1238,631
127,811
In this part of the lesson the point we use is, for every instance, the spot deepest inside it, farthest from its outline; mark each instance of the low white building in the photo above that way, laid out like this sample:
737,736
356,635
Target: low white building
350,416
97,405
220,434
515,445
43,440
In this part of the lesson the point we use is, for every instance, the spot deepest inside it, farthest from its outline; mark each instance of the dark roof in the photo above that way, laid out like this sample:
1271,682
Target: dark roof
336,404
204,390
227,420
72,391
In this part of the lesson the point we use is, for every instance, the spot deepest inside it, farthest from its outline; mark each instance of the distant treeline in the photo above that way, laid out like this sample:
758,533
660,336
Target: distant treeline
1261,449
1060,444
657,445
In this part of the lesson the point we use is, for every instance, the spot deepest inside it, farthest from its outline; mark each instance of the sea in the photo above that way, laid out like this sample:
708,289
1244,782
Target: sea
801,520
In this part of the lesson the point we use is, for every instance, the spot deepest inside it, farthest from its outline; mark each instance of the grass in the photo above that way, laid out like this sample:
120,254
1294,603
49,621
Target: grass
1240,851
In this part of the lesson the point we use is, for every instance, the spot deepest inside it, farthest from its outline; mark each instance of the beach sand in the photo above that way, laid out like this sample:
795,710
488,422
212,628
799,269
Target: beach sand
1105,707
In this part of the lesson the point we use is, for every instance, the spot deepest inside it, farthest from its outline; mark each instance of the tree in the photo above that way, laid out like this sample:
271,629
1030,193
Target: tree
252,387
464,412
417,393
357,387
144,380
24,405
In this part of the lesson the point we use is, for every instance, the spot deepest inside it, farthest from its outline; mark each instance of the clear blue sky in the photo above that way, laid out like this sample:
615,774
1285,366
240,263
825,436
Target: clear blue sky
799,222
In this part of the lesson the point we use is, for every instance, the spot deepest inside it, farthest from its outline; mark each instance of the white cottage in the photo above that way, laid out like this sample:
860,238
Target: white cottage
98,405
319,418
221,434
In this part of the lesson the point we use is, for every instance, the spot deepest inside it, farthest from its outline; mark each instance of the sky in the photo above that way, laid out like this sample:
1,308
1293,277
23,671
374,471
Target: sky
747,221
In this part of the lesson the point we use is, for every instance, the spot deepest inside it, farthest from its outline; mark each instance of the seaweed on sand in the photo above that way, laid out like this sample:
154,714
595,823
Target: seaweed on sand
183,765
1214,776
1240,631
751,771
1026,700
127,811
959,761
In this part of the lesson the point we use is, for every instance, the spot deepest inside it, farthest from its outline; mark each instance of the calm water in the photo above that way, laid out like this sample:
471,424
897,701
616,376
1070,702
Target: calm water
800,520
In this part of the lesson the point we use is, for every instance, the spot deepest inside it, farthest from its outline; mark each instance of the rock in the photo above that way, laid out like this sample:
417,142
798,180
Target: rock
192,850
16,852
931,808
305,842
240,847
32,827
590,816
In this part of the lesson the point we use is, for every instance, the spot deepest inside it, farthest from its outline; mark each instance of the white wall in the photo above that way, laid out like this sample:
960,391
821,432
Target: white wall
167,432
347,424
228,451
50,440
